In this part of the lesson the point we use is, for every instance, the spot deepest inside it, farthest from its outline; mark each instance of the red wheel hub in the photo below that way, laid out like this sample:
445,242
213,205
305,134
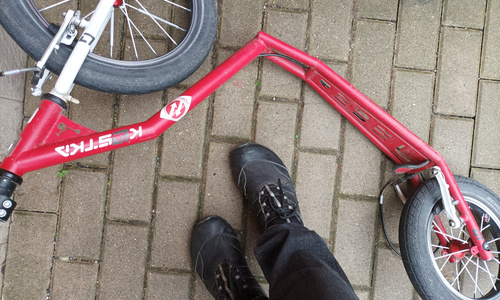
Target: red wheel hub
118,2
458,250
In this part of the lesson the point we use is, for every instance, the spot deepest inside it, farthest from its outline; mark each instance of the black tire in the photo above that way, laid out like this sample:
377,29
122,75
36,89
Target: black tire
33,33
433,274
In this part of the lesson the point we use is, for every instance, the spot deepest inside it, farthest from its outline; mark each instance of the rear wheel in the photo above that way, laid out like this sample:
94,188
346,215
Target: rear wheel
450,271
149,45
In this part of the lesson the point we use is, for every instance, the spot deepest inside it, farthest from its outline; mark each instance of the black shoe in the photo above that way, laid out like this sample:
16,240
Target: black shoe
266,185
218,259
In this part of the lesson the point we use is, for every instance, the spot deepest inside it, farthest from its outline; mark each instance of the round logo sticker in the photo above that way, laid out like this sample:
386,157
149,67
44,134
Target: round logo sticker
176,109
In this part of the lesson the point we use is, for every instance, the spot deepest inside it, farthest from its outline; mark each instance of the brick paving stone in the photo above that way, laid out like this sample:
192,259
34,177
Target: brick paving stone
241,21
490,66
29,260
418,34
222,196
276,123
458,70
331,23
361,165
321,123
166,286
291,28
11,120
486,140
40,190
234,102
126,201
362,295
391,281
175,216
296,4
315,193
12,87
123,263
183,142
355,226
452,138
412,101
454,13
378,9
489,178
372,62
82,212
94,112
74,281
200,292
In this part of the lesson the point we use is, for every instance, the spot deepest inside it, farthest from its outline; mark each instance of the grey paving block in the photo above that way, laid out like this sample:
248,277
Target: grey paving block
276,123
297,4
418,34
391,281
166,286
378,9
134,167
241,21
82,213
331,23
372,61
452,138
487,132
175,216
132,182
234,102
490,66
200,292
279,83
95,112
11,121
123,263
489,178
12,87
458,67
291,28
355,225
412,101
360,165
320,126
464,13
74,281
183,142
315,193
29,260
221,196
40,189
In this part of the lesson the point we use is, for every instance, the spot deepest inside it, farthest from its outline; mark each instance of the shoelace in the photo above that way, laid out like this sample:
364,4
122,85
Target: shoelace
223,274
275,204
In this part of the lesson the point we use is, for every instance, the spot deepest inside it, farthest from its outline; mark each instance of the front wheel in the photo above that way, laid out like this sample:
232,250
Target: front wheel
148,45
450,271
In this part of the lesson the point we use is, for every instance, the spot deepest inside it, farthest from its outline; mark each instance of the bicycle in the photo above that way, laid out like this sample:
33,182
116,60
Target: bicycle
471,234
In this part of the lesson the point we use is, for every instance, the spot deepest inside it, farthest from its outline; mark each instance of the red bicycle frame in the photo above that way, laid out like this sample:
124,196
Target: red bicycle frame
50,138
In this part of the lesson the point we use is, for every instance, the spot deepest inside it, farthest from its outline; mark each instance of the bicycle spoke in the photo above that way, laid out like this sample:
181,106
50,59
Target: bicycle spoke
155,17
145,40
458,275
449,236
54,5
489,273
124,10
156,22
178,5
439,246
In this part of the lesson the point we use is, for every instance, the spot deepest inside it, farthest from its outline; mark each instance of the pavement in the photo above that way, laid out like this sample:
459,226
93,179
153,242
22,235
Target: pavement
117,225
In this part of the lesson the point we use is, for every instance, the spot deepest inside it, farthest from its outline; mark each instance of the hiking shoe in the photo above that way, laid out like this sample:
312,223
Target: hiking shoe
266,185
218,259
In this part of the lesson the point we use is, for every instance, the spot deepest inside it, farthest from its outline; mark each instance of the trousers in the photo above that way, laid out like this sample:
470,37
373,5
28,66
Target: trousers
298,265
